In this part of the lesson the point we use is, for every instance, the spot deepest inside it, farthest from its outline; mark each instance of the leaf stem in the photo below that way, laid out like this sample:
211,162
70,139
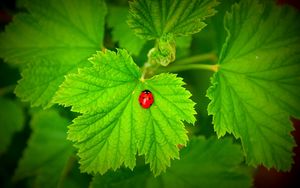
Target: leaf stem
178,68
151,67
7,89
67,168
198,58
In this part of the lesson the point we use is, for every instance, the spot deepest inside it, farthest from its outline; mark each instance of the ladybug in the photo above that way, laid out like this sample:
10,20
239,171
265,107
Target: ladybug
146,99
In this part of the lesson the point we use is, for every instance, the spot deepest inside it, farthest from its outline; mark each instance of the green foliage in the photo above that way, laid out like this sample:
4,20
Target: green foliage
153,19
70,54
165,20
41,79
54,38
127,39
114,127
47,152
11,121
194,169
257,88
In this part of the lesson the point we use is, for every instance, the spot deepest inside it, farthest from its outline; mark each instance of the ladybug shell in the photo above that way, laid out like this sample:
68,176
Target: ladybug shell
146,99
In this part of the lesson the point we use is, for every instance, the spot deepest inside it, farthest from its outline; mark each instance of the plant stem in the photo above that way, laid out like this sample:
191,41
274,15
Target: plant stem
67,168
151,67
178,68
7,89
198,58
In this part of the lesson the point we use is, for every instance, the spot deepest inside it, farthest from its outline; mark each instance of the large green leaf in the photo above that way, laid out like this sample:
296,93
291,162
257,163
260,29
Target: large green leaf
204,163
53,35
152,19
257,86
47,152
113,126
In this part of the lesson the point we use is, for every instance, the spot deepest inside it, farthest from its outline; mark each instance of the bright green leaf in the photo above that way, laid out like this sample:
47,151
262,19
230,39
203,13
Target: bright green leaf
204,163
54,33
40,80
127,39
113,126
47,152
152,19
256,88
11,121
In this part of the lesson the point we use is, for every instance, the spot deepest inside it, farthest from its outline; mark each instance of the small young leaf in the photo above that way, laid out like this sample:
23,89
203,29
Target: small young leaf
113,126
47,152
204,163
153,19
11,121
54,33
164,52
257,87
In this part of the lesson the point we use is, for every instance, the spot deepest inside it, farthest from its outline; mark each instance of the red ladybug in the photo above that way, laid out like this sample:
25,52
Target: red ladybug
146,99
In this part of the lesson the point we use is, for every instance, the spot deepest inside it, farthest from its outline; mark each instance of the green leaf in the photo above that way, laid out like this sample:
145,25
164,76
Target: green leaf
121,32
11,120
201,162
256,88
113,126
47,152
40,80
152,19
54,34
